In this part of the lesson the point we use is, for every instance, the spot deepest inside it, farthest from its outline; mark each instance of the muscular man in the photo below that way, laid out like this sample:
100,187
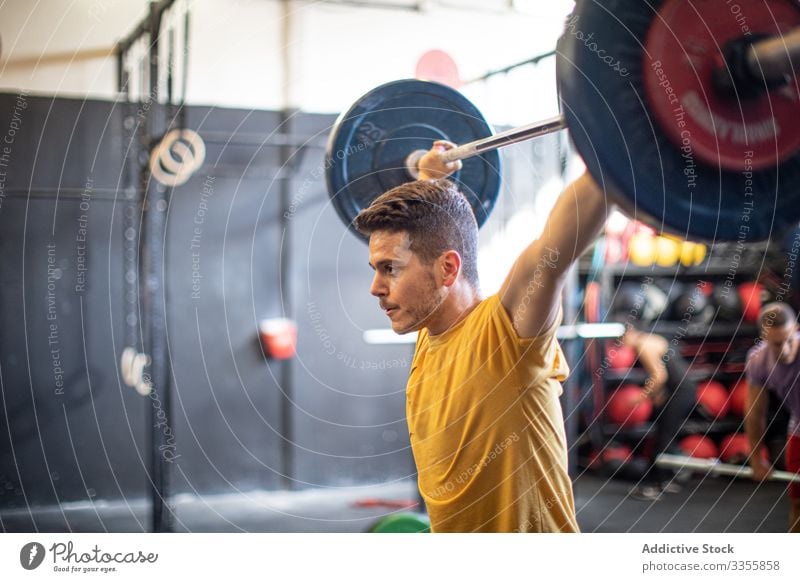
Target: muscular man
484,417
673,396
773,365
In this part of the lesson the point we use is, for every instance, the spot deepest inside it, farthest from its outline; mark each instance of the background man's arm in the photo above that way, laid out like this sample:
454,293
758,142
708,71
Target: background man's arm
755,426
651,350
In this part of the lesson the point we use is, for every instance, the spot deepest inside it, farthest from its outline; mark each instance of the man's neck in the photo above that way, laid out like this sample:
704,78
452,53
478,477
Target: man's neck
458,305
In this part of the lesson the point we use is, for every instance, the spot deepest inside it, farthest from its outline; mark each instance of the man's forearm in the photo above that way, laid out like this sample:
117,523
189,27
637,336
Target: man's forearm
651,350
755,426
575,221
653,364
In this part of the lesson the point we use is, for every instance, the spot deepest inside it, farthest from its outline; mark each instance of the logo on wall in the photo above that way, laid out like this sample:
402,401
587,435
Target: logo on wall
177,157
31,555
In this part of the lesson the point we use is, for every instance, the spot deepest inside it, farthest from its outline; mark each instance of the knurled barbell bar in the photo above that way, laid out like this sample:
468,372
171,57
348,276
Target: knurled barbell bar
687,110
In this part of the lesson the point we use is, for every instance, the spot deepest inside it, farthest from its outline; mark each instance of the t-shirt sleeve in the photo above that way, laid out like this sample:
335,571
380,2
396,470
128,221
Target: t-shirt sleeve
499,312
541,354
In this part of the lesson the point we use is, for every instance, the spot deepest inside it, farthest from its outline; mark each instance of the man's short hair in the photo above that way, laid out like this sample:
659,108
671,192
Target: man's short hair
437,217
776,314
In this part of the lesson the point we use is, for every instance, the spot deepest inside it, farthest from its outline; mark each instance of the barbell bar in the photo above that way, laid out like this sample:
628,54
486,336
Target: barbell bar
641,94
775,58
488,144
717,467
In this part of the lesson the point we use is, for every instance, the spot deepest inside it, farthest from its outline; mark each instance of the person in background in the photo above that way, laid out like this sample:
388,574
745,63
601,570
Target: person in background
672,392
773,365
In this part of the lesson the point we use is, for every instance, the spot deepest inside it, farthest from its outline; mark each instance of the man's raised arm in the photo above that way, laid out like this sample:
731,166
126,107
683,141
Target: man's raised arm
532,291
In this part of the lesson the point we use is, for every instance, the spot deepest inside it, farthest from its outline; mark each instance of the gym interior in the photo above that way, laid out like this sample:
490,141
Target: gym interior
188,339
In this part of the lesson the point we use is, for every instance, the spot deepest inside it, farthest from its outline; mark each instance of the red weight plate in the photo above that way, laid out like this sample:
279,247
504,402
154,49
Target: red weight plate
683,48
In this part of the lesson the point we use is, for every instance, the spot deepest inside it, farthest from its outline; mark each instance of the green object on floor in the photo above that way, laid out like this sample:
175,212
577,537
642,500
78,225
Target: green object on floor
403,523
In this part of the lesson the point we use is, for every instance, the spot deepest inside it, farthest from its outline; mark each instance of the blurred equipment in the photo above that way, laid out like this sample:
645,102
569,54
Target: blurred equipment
727,302
437,65
642,249
668,251
735,448
692,253
620,356
621,123
278,337
403,523
627,408
712,399
715,467
698,446
692,305
638,302
737,401
752,296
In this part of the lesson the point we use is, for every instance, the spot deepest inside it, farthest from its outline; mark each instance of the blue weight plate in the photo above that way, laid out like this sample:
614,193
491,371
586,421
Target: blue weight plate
601,67
369,143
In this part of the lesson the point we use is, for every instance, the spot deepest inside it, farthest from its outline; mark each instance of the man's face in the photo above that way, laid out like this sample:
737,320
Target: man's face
782,342
406,288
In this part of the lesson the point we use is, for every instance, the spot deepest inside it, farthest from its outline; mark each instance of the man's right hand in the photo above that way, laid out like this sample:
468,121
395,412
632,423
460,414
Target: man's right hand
761,469
433,167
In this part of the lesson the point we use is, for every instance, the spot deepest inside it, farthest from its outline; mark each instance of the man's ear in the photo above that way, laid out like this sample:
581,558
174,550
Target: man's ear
449,267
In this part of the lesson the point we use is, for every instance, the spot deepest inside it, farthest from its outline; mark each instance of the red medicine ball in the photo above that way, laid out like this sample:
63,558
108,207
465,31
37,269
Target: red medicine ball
735,448
738,397
612,453
752,295
623,408
698,446
618,453
621,357
712,399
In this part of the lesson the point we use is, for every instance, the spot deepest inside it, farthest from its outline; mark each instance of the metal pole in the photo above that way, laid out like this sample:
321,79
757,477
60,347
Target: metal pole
285,367
505,138
285,256
531,61
776,58
714,466
155,304
493,142
124,45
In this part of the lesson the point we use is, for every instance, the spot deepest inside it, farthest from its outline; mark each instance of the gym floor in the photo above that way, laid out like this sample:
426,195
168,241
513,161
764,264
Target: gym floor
705,505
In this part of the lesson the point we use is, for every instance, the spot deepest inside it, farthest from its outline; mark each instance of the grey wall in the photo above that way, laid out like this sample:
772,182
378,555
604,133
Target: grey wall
67,429
240,420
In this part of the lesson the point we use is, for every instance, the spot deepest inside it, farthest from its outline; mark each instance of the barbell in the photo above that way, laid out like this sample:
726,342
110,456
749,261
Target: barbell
716,467
686,111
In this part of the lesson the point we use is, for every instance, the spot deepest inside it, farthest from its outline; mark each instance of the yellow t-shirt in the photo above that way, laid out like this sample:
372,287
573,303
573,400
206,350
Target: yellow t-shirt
486,427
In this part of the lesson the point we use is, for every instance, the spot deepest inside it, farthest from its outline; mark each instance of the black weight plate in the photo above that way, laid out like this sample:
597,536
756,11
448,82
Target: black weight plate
601,64
369,144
